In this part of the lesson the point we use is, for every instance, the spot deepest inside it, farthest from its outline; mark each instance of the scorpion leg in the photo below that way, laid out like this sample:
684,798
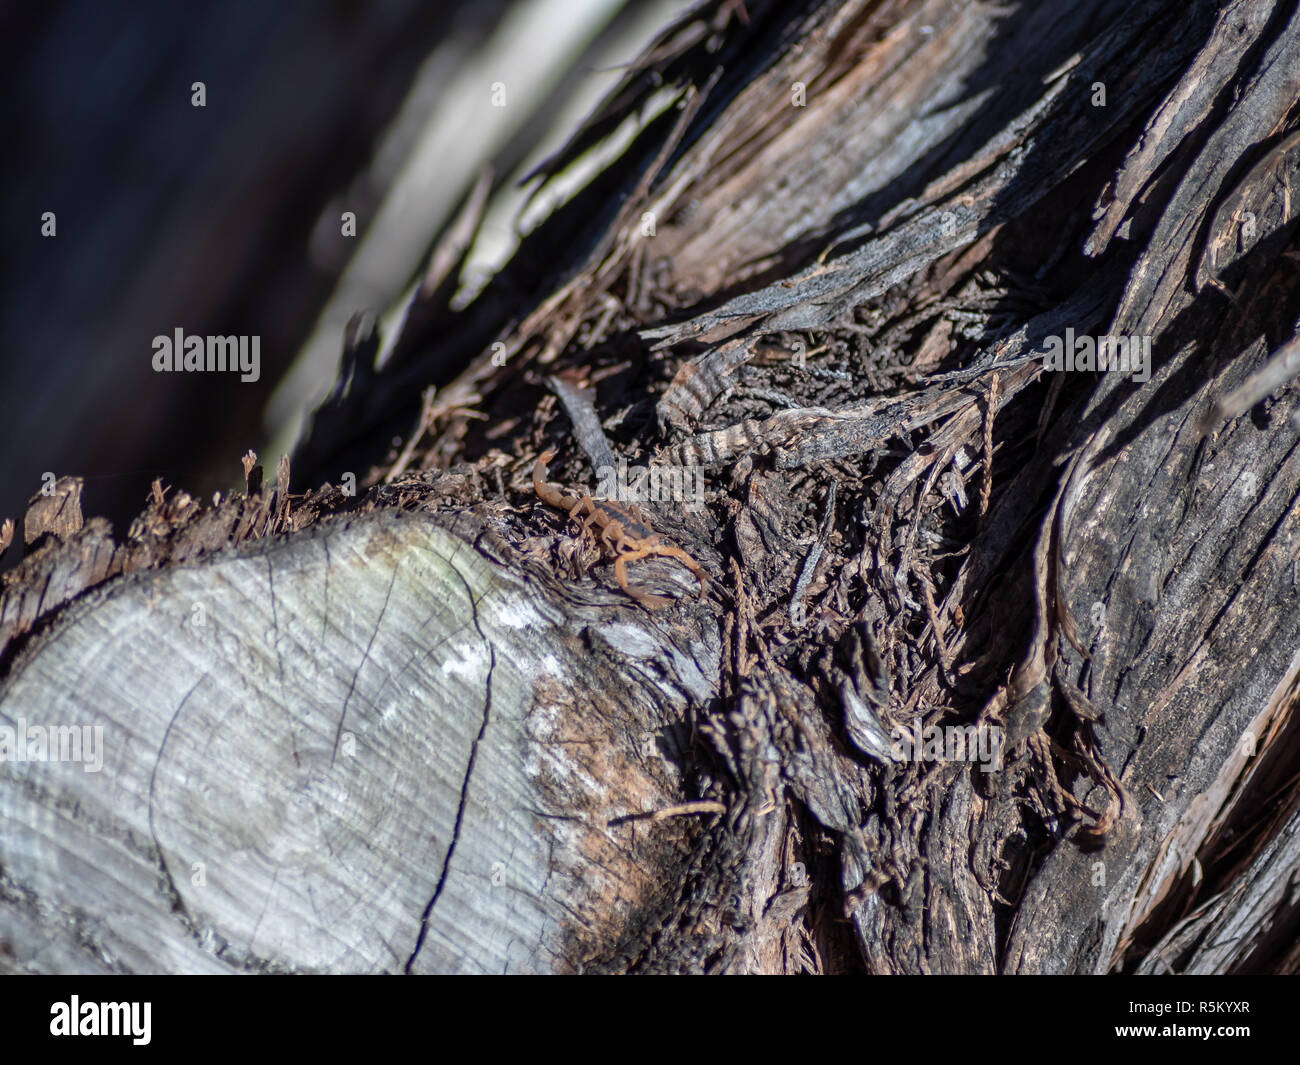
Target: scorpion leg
650,602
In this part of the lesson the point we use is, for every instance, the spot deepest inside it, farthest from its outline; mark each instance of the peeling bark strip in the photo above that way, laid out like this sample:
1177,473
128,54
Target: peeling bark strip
700,381
390,772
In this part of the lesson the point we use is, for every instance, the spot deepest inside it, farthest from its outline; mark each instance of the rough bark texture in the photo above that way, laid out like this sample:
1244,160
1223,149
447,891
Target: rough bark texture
831,282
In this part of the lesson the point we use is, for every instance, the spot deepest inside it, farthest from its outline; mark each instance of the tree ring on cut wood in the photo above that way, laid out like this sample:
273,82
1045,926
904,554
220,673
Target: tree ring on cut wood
321,754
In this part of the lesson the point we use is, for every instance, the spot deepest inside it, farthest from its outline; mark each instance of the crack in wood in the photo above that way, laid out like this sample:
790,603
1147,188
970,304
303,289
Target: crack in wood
469,772
338,735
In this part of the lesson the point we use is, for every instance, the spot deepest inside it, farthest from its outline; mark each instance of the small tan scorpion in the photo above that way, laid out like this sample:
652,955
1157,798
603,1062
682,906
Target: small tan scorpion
622,531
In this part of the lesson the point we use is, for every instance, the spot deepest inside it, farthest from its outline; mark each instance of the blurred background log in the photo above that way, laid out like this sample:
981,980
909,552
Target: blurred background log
226,219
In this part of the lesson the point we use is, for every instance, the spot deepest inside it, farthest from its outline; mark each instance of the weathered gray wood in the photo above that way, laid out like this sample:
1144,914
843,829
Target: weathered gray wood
325,753
1244,922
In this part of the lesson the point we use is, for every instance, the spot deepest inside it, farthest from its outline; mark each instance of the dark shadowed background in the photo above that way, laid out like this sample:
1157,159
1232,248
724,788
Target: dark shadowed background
224,219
